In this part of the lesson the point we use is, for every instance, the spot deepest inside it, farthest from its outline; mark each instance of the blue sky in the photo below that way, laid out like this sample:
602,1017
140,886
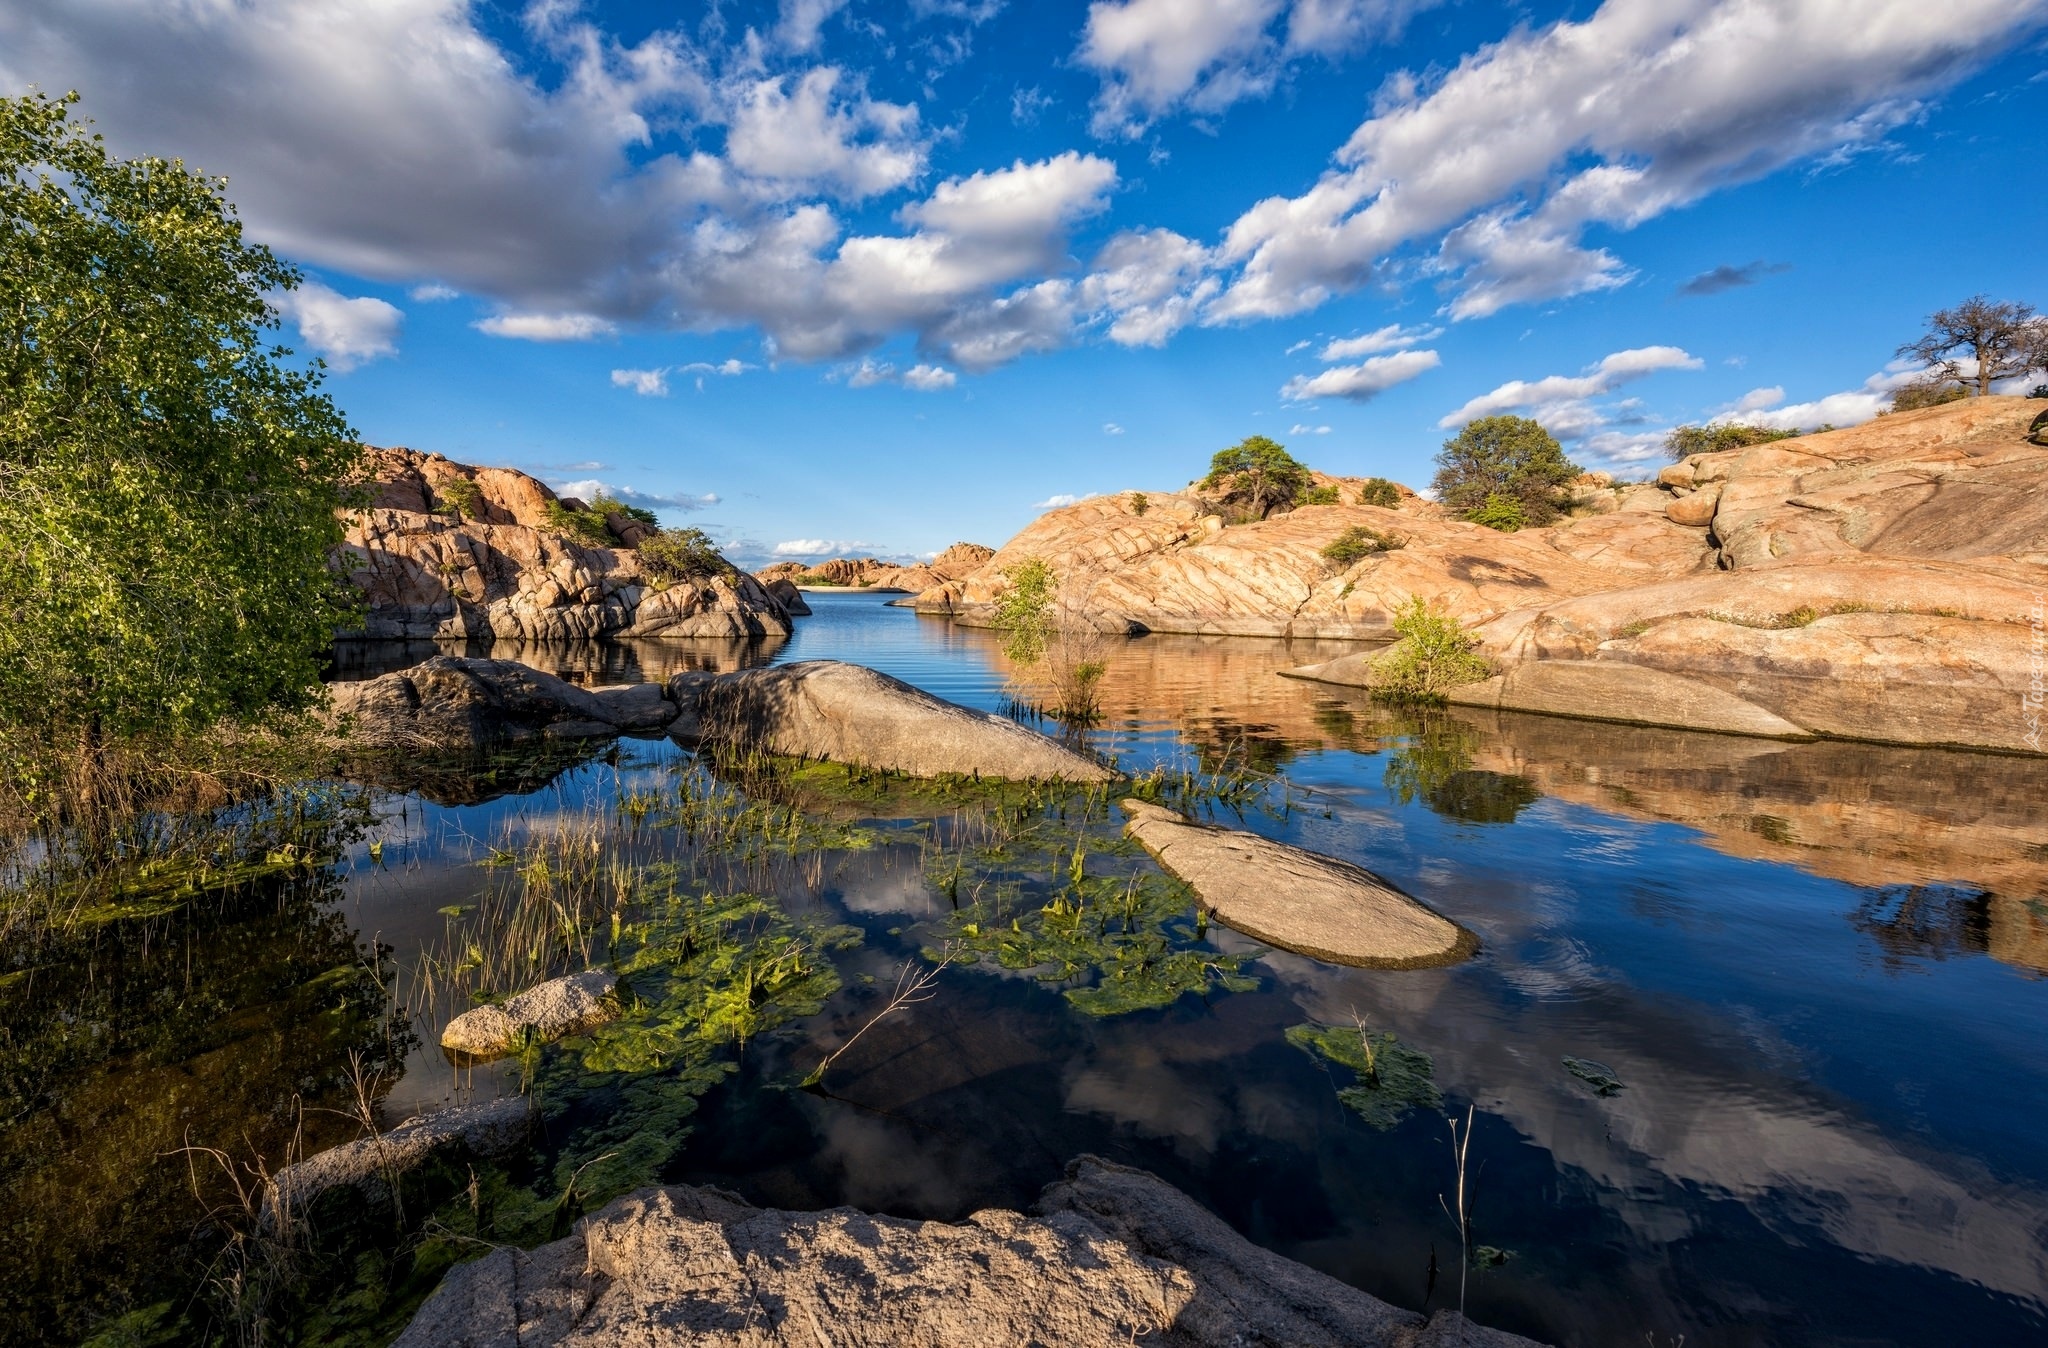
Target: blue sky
844,275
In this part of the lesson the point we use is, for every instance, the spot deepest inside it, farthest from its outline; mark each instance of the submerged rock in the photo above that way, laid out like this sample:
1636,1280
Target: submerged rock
369,1164
549,1010
1113,1257
823,709
1295,899
1611,691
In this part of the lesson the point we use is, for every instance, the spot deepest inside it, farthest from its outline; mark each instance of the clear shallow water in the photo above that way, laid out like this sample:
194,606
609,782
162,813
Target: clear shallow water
1817,970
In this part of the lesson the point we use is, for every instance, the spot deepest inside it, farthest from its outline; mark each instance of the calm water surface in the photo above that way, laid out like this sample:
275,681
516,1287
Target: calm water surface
1816,969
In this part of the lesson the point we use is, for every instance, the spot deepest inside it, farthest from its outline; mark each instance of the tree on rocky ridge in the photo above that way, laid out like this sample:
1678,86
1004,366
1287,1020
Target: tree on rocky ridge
168,486
1258,475
2001,338
1507,457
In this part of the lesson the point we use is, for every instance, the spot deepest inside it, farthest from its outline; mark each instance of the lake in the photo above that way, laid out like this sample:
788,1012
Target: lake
1752,1041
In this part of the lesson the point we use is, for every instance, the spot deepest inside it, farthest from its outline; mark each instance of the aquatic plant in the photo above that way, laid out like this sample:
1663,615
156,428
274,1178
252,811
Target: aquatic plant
1128,937
1392,1078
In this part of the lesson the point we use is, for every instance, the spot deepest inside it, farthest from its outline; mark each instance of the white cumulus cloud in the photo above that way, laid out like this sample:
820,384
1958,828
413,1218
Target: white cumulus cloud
344,332
1393,337
1559,391
1364,381
646,383
1059,499
546,327
589,489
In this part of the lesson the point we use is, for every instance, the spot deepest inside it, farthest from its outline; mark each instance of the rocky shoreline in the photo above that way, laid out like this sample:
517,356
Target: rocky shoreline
1882,582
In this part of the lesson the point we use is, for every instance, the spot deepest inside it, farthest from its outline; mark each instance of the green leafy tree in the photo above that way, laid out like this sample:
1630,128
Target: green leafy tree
1685,441
1257,475
168,484
1505,456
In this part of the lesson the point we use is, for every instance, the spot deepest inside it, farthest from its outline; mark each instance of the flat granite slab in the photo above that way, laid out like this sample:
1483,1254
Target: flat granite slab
1298,900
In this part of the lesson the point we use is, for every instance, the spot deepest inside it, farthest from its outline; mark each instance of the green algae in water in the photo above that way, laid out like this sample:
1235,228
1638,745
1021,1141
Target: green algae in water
1392,1078
1597,1075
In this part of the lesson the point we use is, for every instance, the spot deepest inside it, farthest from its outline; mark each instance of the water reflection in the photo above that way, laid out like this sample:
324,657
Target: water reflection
1829,1131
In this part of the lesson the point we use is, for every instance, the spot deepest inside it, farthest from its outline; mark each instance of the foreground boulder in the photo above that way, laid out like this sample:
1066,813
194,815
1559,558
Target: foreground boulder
368,1165
545,1012
455,703
448,550
1115,1257
1298,900
823,709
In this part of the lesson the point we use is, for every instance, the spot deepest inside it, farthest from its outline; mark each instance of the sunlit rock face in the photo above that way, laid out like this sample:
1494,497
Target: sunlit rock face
446,550
1164,562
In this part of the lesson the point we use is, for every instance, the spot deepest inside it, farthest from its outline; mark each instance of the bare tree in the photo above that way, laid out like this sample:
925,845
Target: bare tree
2003,337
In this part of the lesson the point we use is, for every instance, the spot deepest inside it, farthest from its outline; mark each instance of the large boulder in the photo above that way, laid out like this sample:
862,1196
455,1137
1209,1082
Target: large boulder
542,1013
448,550
700,1267
1295,899
823,709
454,703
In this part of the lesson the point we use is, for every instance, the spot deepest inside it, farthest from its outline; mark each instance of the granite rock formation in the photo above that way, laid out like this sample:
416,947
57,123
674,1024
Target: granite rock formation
1112,1257
448,550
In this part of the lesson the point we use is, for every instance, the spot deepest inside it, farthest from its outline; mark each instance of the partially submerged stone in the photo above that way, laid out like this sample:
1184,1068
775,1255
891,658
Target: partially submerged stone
827,710
1295,899
368,1165
1607,690
454,703
1111,1257
548,1011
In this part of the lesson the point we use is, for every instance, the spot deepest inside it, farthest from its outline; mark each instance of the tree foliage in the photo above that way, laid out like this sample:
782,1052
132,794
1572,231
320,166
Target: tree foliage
1257,475
682,554
1685,441
1999,338
1357,543
168,486
1024,611
1378,491
1930,391
1505,456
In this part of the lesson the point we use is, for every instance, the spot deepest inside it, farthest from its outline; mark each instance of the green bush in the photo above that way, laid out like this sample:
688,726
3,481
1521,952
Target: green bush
682,554
1505,456
1500,511
1320,496
1024,613
1357,543
462,497
1930,392
1380,492
602,505
1434,655
1139,505
1689,440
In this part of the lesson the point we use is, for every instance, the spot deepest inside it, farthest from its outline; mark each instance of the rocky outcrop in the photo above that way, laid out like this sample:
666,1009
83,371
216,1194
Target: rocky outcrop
542,1014
448,550
1100,1265
1295,899
872,573
1851,645
370,1164
1175,567
822,709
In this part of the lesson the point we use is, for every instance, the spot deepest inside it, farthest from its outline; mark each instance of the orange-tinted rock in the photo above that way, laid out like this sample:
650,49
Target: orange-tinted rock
434,565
